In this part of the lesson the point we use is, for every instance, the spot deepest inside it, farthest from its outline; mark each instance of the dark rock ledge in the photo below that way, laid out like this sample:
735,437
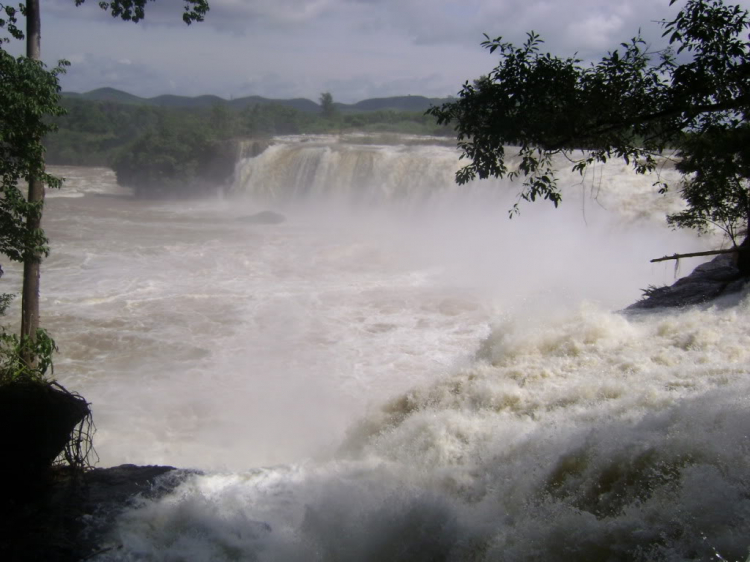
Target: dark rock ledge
67,519
708,281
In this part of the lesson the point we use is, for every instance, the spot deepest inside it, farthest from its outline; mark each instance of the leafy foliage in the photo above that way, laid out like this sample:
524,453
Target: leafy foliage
29,95
9,21
14,354
632,105
716,164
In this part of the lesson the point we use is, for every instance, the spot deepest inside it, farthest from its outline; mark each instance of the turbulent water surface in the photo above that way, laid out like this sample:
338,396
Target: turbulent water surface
397,371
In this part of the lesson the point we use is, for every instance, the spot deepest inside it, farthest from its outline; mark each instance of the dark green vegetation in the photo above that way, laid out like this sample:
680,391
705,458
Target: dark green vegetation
633,105
170,144
28,89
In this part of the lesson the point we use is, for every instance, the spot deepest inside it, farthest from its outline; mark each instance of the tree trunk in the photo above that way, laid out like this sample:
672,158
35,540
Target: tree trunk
743,258
30,296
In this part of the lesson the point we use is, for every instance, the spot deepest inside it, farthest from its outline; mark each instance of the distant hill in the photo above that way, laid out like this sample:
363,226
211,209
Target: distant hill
108,94
396,103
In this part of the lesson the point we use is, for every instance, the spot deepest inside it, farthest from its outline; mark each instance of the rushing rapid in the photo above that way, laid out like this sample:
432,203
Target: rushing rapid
397,371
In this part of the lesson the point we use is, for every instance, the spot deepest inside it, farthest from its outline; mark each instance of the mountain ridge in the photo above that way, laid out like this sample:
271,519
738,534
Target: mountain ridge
394,103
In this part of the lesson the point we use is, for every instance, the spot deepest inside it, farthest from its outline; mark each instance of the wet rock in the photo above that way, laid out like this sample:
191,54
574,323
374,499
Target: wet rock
107,492
718,277
70,518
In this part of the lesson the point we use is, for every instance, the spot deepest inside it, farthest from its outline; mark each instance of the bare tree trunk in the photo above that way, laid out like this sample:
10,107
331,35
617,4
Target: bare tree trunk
743,257
30,297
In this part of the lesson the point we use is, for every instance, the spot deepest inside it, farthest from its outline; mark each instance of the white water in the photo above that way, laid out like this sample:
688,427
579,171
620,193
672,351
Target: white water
399,372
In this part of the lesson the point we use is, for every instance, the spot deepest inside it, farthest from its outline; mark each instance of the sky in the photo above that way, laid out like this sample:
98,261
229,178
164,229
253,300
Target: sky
354,49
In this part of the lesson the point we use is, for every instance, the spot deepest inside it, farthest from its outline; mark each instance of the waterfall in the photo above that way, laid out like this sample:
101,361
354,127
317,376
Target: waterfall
298,168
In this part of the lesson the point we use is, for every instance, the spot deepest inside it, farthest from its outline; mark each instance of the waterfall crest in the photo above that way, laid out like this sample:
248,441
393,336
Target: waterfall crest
324,167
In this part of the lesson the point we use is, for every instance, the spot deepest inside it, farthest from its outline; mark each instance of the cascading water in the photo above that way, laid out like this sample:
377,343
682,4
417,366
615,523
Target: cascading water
399,372
302,168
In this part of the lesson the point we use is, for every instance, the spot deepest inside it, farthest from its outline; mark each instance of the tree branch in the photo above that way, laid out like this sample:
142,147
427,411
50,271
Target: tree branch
698,254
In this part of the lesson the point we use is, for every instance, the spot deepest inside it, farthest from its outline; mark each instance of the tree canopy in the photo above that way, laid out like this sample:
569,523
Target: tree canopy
633,104
29,92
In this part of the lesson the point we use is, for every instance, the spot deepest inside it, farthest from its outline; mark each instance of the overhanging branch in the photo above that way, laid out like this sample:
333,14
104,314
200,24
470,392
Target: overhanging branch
698,254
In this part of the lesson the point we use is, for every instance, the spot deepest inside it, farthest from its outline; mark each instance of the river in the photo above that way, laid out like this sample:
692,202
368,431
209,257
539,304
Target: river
398,371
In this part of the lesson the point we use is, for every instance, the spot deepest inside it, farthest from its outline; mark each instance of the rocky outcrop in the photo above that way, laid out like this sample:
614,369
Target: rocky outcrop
707,281
71,517
40,421
59,512
37,421
107,492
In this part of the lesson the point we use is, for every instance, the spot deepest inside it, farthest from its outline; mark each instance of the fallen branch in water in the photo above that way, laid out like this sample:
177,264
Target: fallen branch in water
696,254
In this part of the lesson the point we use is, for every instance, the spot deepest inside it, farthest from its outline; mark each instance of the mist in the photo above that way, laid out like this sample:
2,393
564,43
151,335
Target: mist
225,345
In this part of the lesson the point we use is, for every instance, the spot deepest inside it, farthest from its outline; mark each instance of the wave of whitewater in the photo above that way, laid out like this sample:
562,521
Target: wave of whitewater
595,437
479,395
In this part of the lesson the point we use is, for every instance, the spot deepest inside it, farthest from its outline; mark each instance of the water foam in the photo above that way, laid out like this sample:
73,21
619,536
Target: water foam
595,437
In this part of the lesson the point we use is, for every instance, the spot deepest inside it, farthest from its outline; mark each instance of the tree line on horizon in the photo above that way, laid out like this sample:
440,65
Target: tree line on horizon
396,103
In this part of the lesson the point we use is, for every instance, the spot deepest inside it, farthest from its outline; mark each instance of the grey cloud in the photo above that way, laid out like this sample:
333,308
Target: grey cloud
426,21
350,90
88,72
232,15
353,48
581,25
585,26
439,21
272,85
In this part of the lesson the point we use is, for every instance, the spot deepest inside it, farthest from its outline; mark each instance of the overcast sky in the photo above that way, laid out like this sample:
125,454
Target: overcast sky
355,49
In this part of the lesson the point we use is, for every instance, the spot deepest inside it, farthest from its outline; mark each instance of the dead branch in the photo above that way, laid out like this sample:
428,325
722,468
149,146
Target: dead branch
697,254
